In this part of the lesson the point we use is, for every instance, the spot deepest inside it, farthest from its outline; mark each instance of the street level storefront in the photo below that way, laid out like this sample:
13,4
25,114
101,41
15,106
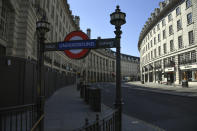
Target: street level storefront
189,73
170,75
158,75
2,50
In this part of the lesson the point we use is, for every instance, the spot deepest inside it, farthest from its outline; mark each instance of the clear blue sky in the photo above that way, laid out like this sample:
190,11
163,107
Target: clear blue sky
95,14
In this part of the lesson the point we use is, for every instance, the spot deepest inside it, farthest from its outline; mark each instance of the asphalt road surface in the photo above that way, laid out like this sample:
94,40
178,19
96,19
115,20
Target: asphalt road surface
169,112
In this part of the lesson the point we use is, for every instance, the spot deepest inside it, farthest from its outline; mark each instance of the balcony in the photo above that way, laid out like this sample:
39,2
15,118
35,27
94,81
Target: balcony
186,61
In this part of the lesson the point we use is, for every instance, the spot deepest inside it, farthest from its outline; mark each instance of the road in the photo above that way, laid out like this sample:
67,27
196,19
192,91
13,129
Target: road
169,112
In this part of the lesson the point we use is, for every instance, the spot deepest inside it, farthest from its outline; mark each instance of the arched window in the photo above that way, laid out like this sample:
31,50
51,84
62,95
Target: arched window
3,19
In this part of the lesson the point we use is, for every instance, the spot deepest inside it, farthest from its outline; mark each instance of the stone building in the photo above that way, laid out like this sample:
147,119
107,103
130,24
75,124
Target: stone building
168,45
18,39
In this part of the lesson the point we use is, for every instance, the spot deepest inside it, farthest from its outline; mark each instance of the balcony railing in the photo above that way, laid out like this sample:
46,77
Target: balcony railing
186,61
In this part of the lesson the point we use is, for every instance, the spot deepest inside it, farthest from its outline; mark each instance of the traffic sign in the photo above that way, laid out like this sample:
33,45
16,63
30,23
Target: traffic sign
75,53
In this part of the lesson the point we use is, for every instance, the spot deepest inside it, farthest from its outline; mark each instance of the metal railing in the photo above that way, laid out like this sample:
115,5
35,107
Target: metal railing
18,118
107,123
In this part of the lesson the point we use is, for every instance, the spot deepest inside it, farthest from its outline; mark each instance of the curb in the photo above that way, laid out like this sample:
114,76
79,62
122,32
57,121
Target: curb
162,92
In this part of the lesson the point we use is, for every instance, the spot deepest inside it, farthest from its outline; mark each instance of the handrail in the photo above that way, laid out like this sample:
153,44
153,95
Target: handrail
21,117
98,123
6,109
37,122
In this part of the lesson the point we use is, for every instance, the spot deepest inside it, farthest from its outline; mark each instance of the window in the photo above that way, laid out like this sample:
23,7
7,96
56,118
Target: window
159,50
158,28
180,42
52,12
193,56
171,45
191,37
179,25
178,11
154,40
151,43
188,3
154,30
164,48
48,3
170,30
164,34
151,54
159,39
169,17
3,20
155,52
189,18
163,22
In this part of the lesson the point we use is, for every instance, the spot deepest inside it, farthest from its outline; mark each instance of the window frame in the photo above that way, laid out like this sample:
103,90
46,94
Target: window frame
189,19
191,40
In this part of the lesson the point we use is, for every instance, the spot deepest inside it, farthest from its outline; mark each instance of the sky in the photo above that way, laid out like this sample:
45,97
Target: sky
95,14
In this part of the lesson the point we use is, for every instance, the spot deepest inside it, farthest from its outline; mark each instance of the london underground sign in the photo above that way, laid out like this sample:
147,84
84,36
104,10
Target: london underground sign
77,45
75,53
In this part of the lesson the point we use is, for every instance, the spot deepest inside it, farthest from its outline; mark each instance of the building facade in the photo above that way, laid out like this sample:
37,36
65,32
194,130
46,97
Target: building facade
18,39
168,45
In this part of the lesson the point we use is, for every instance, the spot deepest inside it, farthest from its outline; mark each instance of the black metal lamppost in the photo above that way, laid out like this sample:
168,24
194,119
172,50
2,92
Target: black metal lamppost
42,27
118,19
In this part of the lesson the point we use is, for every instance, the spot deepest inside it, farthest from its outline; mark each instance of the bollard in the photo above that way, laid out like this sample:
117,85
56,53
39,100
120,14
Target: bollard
95,99
87,95
185,83
97,123
86,124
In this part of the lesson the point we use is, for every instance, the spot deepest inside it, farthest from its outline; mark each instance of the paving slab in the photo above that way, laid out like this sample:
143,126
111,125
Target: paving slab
66,111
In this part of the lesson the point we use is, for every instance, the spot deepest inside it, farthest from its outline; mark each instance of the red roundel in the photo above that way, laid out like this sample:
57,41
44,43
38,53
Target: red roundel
76,53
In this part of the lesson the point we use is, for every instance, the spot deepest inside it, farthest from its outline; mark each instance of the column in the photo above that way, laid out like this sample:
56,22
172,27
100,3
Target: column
154,73
177,71
162,68
148,75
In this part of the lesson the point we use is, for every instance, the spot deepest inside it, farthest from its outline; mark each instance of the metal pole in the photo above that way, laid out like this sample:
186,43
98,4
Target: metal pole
40,100
118,102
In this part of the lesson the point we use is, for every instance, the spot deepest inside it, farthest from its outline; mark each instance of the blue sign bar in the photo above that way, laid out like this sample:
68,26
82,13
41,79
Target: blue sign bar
83,44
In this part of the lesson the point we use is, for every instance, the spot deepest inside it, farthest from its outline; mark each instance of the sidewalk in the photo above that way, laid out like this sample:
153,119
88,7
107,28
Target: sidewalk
168,89
66,111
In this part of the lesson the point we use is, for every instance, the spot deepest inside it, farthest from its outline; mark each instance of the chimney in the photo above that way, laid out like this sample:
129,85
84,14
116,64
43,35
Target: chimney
153,15
98,37
157,11
77,20
89,33
161,5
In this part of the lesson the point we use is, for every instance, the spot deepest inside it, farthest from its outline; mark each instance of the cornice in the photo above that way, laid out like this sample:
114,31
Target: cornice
153,21
69,12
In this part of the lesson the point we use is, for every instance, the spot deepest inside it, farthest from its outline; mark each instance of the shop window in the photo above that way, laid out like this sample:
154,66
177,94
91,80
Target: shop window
2,50
194,74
